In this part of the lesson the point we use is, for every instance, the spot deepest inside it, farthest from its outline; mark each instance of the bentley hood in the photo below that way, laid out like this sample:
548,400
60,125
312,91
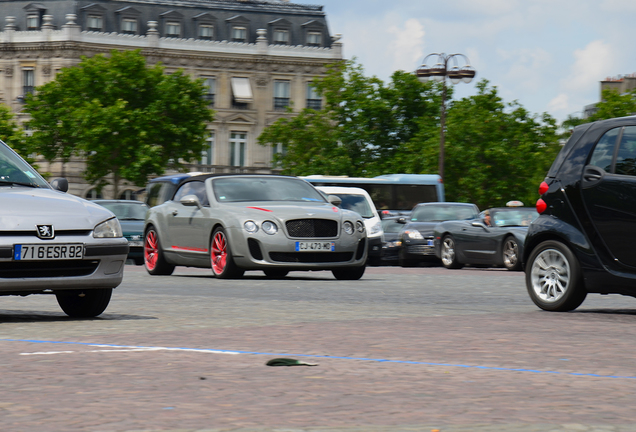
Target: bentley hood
22,208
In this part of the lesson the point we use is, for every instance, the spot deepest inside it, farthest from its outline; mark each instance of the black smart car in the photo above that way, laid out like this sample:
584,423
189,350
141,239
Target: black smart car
584,240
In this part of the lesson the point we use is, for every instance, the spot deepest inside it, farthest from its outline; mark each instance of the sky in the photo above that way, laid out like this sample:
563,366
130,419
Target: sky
548,55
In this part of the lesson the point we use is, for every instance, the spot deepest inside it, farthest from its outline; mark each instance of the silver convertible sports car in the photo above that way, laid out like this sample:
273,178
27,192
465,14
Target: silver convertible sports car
233,223
55,243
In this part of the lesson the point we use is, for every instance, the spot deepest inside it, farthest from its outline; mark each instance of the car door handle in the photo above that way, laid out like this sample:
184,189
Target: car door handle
592,175
176,212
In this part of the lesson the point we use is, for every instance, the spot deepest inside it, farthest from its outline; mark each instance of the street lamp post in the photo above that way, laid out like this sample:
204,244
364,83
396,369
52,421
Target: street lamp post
439,72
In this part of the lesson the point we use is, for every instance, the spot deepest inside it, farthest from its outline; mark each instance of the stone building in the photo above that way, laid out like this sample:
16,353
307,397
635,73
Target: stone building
256,57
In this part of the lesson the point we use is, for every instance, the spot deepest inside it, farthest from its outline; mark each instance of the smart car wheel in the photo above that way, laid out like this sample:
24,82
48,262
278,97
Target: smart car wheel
84,303
510,253
449,258
553,278
223,265
155,262
348,273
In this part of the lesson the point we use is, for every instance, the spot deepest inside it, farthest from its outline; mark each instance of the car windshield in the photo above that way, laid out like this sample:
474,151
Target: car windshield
126,211
241,189
520,216
441,213
356,203
16,172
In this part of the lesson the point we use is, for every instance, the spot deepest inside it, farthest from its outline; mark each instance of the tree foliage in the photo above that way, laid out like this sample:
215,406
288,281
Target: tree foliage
123,117
12,133
494,151
361,128
614,104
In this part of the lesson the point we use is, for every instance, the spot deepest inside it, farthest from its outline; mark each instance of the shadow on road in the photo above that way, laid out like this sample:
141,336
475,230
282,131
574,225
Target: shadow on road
13,316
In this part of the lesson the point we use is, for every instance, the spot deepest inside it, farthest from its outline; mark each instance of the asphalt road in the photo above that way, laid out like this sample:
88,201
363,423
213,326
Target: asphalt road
413,349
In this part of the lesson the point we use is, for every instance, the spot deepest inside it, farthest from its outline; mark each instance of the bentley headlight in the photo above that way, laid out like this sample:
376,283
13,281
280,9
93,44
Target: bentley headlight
360,226
250,227
269,227
108,229
414,234
347,227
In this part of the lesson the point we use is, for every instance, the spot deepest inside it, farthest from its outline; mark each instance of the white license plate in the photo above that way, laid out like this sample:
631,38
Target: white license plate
49,252
135,243
315,246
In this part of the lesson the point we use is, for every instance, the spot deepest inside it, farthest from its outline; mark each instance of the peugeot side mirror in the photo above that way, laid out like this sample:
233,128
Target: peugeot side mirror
60,184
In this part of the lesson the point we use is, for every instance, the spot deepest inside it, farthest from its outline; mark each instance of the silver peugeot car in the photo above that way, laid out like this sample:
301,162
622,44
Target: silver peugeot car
233,223
55,243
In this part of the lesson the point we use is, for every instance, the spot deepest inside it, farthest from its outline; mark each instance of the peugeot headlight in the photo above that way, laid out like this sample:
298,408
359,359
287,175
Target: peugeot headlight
250,227
413,234
108,229
269,227
375,229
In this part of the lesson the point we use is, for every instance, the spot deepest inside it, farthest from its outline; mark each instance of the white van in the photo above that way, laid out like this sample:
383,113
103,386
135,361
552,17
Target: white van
359,201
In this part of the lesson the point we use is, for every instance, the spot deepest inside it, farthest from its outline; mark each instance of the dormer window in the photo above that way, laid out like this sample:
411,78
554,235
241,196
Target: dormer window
239,34
206,31
281,37
173,29
33,22
95,23
129,25
314,39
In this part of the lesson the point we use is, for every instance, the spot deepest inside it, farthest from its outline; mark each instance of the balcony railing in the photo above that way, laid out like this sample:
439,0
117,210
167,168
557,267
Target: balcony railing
315,104
281,104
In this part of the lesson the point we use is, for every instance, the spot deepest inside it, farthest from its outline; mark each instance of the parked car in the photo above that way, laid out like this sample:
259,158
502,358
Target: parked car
417,236
391,245
54,243
234,223
583,241
131,215
494,242
359,201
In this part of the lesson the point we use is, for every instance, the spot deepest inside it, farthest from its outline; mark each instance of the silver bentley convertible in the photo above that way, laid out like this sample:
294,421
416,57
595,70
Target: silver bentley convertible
233,223
55,243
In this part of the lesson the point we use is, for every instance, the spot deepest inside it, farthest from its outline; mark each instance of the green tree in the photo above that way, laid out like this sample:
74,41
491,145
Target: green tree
12,133
495,152
362,127
123,117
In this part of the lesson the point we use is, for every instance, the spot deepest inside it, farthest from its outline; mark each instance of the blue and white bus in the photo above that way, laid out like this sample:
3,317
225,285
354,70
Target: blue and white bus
394,193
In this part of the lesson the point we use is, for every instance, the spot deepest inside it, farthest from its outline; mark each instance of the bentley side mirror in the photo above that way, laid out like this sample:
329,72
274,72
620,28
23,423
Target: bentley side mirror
60,184
191,201
335,200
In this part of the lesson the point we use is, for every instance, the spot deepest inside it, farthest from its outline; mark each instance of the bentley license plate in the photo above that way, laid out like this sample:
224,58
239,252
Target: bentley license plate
315,246
67,251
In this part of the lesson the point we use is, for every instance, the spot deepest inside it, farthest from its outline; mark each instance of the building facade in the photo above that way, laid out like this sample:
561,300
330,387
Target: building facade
257,58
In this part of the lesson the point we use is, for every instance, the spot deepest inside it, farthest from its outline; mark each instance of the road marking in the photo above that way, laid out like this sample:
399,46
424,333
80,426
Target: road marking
122,348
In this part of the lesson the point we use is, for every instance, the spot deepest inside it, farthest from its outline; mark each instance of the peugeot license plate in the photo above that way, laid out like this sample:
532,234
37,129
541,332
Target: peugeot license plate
315,246
30,252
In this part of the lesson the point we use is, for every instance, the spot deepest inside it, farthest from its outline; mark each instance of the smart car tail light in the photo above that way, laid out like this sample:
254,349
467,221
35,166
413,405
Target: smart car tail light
543,188
541,206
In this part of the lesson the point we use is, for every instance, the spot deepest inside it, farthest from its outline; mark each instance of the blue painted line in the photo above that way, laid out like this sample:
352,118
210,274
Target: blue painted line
375,360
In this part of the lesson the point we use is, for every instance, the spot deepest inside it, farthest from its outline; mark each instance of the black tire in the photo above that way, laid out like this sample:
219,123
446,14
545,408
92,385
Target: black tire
275,273
349,273
449,257
154,260
84,303
222,263
553,277
510,254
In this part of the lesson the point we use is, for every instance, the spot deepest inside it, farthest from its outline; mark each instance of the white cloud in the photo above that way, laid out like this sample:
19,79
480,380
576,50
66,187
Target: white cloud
592,64
406,48
560,104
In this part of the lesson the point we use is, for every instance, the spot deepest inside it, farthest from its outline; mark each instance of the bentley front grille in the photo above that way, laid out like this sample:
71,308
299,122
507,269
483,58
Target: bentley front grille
312,228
